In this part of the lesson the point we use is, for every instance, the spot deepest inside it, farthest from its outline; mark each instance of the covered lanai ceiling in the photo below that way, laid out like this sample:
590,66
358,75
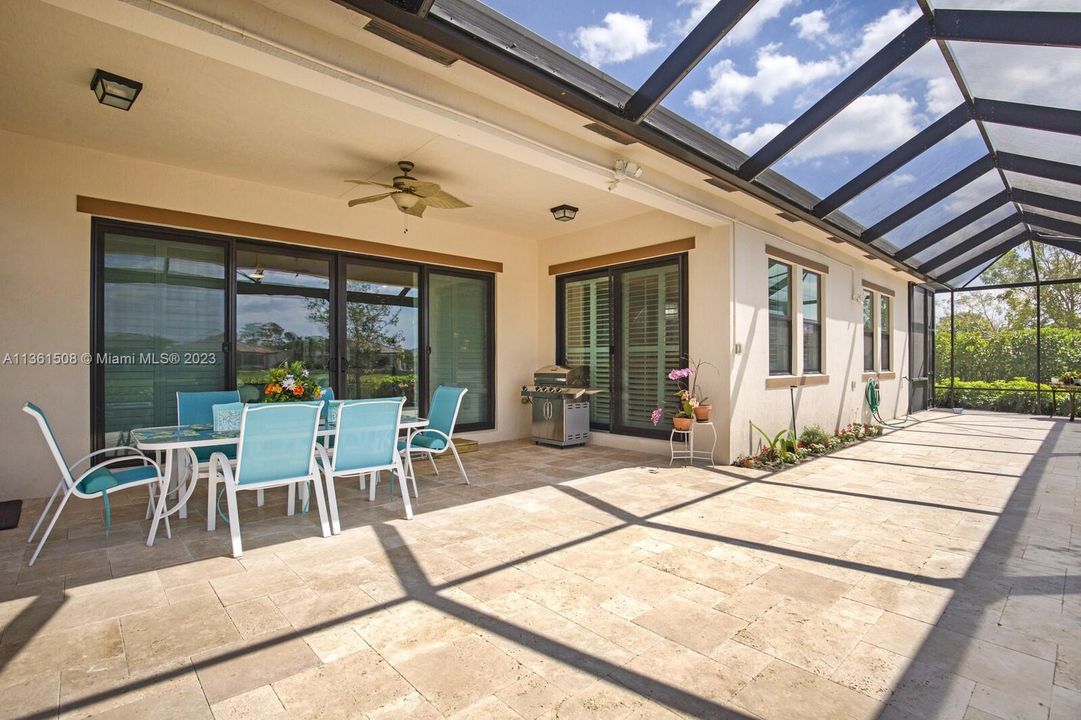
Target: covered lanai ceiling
988,159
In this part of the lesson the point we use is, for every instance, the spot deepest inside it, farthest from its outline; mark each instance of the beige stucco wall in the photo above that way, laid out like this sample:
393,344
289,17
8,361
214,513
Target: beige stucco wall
708,280
45,280
839,402
45,289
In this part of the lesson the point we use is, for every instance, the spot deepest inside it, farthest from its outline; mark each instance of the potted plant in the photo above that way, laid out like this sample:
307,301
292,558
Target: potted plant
685,417
701,404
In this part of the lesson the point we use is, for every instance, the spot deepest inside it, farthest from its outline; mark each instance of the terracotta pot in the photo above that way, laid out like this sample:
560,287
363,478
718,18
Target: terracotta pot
682,423
701,413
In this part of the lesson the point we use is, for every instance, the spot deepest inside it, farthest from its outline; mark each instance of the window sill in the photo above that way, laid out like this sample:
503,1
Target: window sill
880,376
782,381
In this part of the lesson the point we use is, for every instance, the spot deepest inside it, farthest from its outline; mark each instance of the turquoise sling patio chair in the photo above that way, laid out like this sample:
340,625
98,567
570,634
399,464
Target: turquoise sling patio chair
276,449
197,408
365,443
97,480
436,438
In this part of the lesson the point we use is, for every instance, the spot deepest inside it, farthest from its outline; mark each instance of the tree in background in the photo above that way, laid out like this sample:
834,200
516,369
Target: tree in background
1060,305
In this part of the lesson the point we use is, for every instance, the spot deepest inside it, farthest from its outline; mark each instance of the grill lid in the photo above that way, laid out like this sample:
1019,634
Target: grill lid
561,375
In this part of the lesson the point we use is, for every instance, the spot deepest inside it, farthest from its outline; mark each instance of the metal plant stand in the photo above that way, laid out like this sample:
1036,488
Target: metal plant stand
688,452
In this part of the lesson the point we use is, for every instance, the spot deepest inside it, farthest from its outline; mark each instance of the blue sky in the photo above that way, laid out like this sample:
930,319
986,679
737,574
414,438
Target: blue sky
782,57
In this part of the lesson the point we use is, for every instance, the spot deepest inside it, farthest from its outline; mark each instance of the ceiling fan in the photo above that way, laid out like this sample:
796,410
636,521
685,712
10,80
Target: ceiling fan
412,196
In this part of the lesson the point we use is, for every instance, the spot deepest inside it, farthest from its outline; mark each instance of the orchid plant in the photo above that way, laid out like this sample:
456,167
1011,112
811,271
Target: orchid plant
685,381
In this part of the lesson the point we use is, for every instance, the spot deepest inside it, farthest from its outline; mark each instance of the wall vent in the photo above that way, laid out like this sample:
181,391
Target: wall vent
402,40
610,133
788,216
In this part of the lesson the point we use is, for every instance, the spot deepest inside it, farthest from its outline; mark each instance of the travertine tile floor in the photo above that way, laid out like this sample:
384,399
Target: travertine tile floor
932,573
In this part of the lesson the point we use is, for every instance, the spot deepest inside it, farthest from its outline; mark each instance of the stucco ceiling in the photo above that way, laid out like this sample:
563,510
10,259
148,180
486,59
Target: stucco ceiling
207,115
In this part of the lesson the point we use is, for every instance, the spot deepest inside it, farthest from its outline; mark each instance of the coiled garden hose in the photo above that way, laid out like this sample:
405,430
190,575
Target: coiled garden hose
873,401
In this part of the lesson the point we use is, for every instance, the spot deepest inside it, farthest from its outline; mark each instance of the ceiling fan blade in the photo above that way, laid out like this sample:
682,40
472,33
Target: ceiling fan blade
371,198
417,210
445,201
370,182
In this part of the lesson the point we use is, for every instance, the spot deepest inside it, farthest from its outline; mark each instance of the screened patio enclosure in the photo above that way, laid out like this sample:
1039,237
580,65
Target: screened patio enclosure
989,161
1007,338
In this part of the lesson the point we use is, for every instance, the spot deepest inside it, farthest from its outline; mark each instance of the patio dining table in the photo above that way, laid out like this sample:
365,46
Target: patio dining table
172,440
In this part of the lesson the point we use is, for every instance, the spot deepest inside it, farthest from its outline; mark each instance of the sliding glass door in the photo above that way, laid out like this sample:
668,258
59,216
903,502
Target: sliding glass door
627,324
381,331
283,313
460,335
161,327
183,311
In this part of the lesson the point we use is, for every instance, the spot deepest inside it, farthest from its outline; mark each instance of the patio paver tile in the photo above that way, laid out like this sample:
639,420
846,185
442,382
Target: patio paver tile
928,573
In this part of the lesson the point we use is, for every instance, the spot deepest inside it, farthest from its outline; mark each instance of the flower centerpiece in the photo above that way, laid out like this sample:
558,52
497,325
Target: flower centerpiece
291,382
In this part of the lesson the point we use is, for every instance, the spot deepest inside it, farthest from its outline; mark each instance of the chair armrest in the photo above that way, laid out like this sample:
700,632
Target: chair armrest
440,433
222,460
113,461
84,458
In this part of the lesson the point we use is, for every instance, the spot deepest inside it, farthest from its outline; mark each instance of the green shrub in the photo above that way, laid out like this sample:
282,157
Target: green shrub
1015,395
813,435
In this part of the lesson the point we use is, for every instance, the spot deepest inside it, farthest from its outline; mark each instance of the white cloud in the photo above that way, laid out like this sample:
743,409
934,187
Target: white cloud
746,29
774,73
622,37
943,95
879,32
901,179
870,123
812,25
751,140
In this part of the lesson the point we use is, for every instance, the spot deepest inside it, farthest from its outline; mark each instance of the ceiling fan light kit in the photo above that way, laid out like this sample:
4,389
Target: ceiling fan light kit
410,195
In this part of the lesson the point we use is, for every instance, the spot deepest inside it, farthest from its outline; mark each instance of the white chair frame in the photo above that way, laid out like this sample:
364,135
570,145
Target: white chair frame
221,470
329,460
410,451
69,481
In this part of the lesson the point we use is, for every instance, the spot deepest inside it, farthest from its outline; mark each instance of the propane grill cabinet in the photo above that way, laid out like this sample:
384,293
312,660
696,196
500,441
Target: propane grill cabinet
560,401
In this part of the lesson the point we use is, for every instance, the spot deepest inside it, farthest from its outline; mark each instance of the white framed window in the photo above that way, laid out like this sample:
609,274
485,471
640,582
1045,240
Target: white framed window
877,330
795,305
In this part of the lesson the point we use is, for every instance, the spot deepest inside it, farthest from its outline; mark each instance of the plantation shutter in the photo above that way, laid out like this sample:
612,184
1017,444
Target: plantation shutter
587,339
459,340
651,342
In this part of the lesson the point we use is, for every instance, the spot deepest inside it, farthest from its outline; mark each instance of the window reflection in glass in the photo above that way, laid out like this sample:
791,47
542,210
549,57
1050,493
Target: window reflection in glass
381,330
812,322
780,318
868,331
282,315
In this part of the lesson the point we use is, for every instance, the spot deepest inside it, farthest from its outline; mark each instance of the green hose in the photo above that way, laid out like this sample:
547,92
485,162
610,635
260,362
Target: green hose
873,400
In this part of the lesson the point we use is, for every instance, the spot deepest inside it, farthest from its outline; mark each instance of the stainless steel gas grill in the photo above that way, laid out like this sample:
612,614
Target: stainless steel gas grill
560,399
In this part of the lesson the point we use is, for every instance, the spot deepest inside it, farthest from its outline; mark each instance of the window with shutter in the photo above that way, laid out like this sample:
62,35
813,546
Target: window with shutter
651,343
587,340
628,325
